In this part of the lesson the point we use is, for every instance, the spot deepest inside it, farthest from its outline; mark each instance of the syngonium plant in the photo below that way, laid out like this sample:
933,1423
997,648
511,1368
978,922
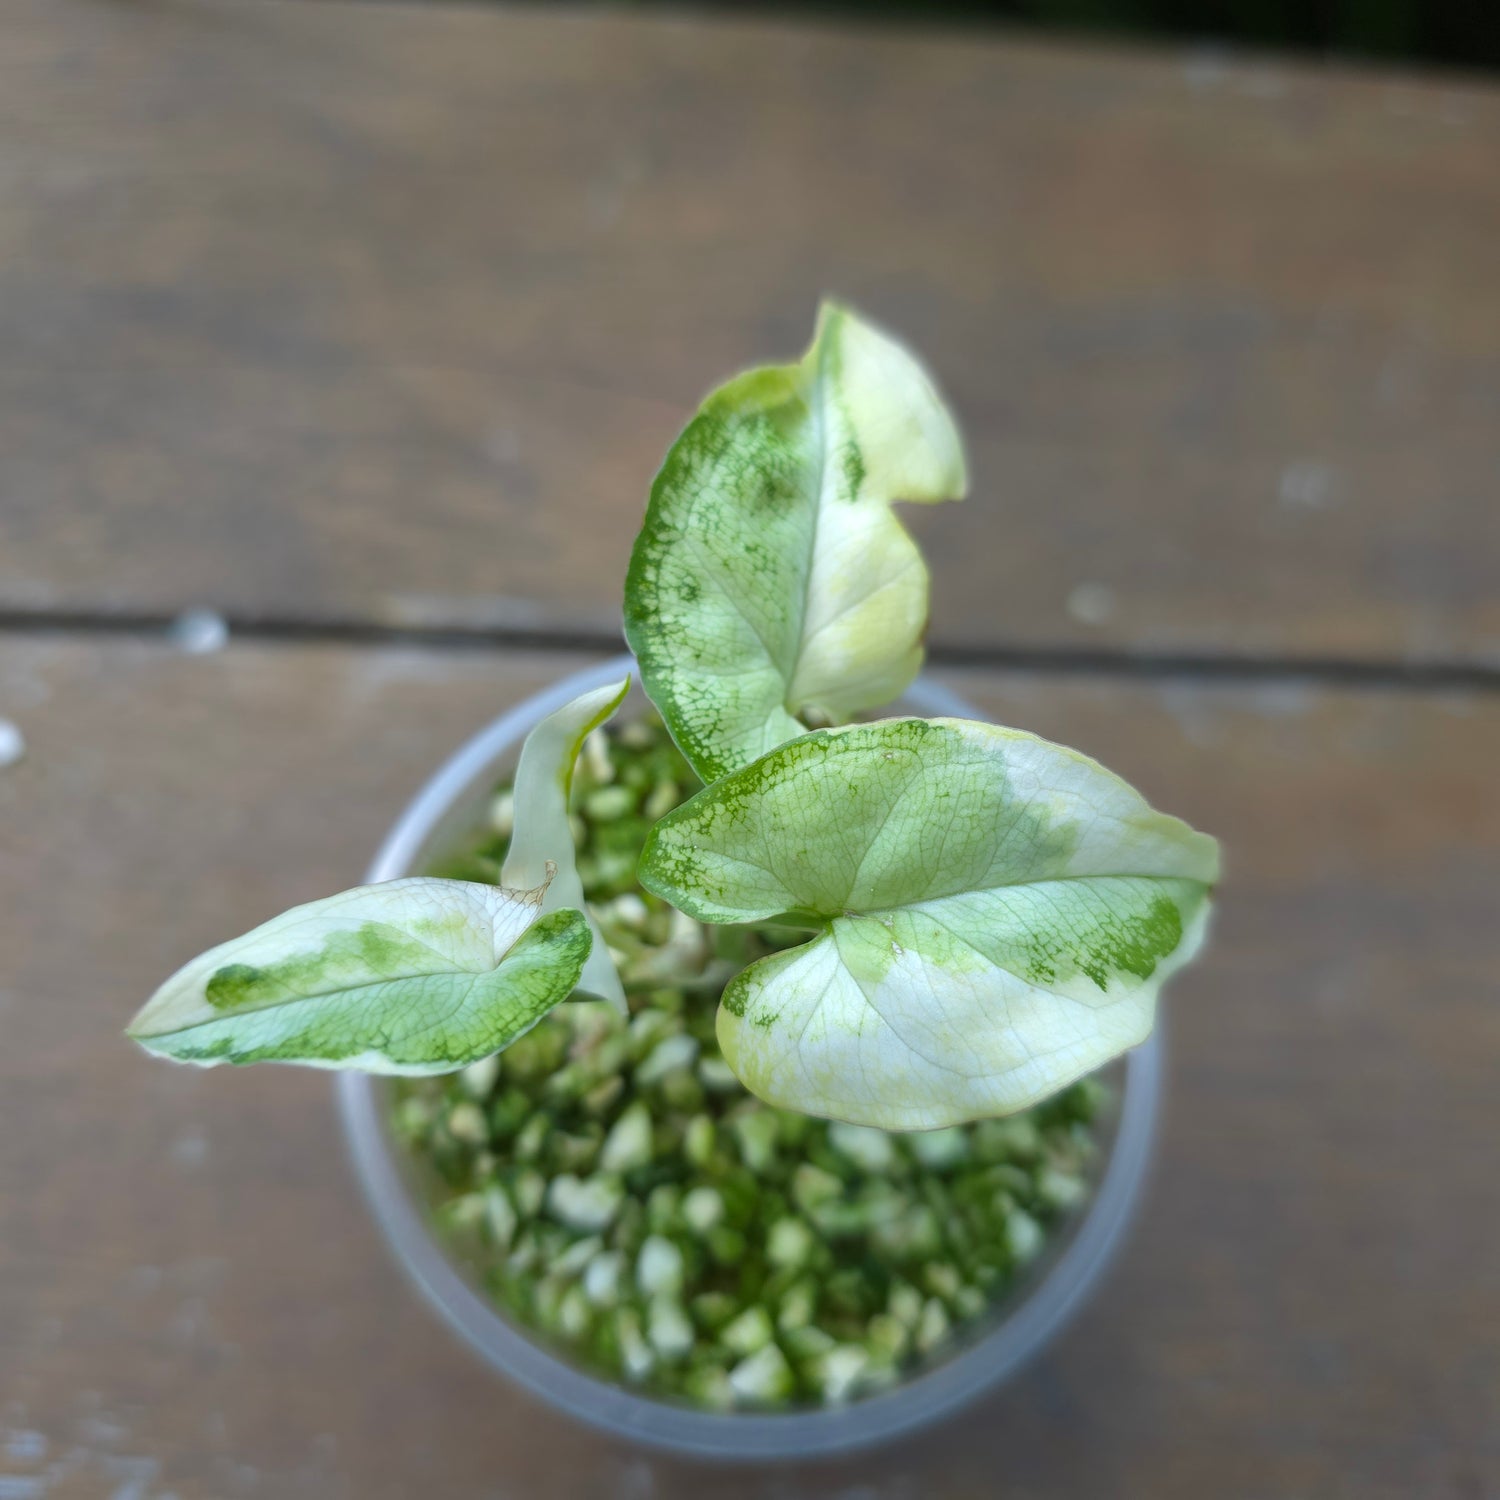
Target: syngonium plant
990,916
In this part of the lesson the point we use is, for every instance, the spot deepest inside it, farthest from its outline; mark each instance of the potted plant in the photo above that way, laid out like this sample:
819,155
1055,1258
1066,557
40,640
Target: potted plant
743,1047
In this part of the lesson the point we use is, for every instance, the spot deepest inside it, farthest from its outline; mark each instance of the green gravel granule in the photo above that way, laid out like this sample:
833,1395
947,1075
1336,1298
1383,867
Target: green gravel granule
621,1194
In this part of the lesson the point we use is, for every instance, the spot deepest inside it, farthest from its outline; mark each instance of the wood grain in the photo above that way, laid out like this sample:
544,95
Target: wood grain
389,313
193,1299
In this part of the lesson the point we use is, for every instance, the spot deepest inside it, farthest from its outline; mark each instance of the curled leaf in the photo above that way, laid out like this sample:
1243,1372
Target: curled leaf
542,837
995,916
411,976
771,579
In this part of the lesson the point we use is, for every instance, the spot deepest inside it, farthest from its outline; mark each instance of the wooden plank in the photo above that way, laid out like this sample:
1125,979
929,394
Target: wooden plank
390,312
193,1296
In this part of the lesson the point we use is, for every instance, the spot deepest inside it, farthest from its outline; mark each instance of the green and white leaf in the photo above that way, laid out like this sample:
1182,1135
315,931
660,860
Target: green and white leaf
771,579
995,916
542,837
411,976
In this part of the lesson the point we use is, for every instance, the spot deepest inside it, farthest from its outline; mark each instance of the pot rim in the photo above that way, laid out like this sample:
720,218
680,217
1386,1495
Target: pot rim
1033,1320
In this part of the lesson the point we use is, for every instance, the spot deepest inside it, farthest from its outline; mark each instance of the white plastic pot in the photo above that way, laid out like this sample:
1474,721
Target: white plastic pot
444,813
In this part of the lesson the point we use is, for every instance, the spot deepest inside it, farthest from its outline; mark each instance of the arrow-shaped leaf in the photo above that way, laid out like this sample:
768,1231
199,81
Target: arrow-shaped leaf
995,915
412,976
771,578
542,844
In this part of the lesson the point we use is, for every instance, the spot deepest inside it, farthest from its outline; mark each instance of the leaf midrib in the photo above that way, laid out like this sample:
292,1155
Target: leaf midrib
818,417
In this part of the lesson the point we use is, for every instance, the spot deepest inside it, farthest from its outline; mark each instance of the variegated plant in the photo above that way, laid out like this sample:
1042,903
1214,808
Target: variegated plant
989,916
413,976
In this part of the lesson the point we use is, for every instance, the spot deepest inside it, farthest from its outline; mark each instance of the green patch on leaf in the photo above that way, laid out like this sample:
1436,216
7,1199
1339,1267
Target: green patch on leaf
347,957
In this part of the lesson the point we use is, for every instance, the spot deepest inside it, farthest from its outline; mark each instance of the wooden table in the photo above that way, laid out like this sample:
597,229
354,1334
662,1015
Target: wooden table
367,325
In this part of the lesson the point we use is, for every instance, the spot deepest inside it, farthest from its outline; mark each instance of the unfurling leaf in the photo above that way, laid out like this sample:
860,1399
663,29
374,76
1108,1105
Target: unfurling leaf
771,578
995,916
542,837
412,976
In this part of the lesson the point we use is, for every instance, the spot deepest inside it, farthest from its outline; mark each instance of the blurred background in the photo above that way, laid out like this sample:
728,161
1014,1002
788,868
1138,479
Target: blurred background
1430,31
341,340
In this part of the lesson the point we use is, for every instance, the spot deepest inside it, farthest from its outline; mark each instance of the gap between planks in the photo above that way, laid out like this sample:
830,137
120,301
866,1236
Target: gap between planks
1434,675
